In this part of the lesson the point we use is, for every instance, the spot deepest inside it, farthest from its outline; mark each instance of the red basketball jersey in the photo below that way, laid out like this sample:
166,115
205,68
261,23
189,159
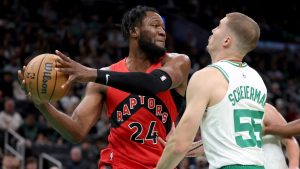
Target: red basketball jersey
136,121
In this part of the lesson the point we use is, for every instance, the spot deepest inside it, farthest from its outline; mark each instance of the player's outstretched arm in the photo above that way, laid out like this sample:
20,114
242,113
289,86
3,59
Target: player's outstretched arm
290,129
173,73
86,114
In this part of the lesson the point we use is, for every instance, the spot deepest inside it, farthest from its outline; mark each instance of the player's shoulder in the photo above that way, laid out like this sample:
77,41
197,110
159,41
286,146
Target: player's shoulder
177,55
208,72
207,76
176,58
270,109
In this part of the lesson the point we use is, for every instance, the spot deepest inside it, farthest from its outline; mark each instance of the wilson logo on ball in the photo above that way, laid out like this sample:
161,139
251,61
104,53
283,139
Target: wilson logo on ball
47,76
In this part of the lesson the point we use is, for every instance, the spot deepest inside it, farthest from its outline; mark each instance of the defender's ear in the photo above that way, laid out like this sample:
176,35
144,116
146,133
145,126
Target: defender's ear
227,41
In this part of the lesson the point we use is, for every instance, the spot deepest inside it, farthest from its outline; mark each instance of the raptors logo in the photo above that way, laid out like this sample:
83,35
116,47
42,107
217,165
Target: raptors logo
133,103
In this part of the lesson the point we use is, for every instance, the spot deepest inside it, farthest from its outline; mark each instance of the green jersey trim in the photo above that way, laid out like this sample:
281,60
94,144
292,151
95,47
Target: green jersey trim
237,64
243,167
221,70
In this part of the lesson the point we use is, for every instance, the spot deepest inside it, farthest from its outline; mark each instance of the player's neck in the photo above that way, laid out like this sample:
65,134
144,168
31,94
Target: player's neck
227,54
137,62
229,58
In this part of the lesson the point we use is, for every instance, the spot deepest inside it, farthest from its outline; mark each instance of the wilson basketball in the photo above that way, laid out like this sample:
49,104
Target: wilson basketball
42,80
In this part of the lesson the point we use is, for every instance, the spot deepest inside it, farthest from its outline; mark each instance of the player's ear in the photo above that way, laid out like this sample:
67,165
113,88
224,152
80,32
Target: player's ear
134,32
227,41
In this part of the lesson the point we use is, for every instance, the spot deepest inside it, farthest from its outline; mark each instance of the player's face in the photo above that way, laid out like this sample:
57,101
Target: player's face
217,37
152,35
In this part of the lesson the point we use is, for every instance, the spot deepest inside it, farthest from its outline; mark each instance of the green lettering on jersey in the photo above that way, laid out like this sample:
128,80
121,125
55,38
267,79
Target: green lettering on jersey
251,93
263,100
250,125
231,99
257,96
242,92
238,94
235,96
246,92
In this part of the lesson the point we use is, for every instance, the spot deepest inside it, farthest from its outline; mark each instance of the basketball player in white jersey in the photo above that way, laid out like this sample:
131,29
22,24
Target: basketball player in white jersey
227,99
274,156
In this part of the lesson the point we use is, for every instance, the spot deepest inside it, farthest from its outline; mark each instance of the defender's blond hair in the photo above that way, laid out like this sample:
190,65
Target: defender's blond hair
246,30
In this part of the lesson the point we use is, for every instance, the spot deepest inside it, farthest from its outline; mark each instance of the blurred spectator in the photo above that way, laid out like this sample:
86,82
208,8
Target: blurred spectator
292,112
42,138
9,119
90,153
31,163
201,162
76,161
9,161
69,102
6,84
102,125
29,130
47,12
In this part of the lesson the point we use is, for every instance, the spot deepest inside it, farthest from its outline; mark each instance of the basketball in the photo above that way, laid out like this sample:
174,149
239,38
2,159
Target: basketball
42,80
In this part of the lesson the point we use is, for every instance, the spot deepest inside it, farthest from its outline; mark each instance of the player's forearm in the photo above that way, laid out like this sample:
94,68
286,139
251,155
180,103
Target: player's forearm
292,148
293,128
290,129
136,82
61,122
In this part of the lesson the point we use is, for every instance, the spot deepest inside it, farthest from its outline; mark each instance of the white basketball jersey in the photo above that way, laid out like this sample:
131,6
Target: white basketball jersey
232,129
274,157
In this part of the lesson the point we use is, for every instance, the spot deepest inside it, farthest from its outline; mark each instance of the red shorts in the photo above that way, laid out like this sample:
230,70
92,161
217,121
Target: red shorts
107,161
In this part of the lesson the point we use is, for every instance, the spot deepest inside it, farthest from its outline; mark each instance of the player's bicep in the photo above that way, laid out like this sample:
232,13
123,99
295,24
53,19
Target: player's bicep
197,95
89,110
178,69
197,100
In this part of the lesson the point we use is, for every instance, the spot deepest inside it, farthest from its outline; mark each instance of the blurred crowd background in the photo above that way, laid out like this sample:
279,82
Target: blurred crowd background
89,32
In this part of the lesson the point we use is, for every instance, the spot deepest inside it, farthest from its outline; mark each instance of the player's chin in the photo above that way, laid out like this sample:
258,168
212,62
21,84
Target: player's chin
160,44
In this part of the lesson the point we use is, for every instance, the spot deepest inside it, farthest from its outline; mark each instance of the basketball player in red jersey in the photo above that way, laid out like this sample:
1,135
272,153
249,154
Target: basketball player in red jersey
142,94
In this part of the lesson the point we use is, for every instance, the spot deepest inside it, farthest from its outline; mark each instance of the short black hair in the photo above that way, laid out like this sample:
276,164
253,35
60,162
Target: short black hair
134,17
